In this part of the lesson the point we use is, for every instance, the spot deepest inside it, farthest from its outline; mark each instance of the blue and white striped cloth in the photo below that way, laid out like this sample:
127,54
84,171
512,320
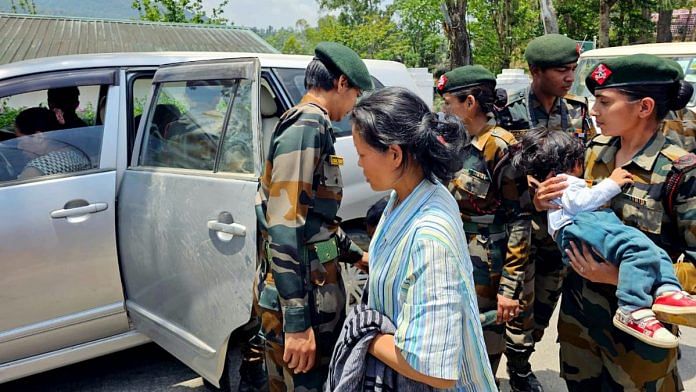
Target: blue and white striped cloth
421,277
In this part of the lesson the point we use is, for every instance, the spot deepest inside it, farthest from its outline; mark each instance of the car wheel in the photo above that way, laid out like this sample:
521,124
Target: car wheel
354,279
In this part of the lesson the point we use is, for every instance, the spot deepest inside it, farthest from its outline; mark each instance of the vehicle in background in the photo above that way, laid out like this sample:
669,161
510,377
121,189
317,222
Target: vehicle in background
156,237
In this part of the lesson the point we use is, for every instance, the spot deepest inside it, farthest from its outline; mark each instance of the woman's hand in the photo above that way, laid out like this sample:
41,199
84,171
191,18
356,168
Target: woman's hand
544,192
584,263
507,309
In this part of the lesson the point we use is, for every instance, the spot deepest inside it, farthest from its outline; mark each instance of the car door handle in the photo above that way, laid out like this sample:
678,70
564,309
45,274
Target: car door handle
234,229
79,211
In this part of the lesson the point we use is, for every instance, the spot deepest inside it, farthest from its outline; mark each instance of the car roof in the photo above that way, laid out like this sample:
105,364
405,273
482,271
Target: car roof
379,68
661,49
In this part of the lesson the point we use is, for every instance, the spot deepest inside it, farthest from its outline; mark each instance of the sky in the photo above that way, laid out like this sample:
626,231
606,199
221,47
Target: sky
276,13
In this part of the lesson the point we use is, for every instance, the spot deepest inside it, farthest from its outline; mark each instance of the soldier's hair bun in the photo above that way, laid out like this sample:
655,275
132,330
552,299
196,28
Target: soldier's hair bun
397,116
682,94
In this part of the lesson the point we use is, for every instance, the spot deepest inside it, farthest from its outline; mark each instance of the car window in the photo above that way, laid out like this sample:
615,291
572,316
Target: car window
185,128
293,81
51,132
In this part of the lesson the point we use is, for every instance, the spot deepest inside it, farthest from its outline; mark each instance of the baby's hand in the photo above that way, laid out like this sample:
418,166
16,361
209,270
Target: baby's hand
621,177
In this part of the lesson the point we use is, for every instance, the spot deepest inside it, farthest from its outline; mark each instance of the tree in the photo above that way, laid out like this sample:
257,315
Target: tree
420,22
456,32
179,11
548,16
352,12
26,6
605,7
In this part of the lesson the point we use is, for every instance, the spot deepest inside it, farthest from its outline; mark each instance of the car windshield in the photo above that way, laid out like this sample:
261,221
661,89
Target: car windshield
586,64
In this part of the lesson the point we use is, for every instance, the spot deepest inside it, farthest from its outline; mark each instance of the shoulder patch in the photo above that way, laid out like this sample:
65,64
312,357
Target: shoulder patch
674,153
506,136
575,100
685,162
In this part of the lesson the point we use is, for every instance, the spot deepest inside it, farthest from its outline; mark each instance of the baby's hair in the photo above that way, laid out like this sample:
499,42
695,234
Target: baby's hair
541,152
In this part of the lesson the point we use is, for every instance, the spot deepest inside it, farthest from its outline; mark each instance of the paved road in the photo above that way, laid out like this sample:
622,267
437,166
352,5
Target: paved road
148,368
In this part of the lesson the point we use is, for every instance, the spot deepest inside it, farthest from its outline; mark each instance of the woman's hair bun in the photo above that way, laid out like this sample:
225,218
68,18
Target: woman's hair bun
683,92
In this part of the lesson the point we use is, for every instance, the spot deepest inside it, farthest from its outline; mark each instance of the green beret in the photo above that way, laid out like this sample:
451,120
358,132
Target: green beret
631,70
552,50
346,61
463,77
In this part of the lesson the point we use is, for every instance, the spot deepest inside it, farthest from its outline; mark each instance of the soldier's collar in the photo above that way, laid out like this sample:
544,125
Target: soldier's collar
645,158
479,142
308,100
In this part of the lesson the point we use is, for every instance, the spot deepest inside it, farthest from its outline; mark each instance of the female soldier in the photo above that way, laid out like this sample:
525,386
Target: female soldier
493,201
634,94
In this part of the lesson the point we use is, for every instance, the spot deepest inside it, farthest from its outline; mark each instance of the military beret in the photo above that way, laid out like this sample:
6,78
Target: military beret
631,70
463,77
346,61
552,50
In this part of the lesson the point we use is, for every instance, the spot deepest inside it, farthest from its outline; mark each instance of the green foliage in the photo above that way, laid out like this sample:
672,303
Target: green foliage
578,19
8,115
179,11
493,46
420,22
23,6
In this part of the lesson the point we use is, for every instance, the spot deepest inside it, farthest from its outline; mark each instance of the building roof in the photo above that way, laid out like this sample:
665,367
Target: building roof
30,36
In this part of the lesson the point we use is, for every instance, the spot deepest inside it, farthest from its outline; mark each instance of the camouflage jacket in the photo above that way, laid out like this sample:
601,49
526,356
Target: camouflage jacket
299,194
641,204
489,192
524,112
680,128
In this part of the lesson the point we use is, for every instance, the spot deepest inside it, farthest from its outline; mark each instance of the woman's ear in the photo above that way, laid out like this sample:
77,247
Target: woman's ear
470,100
342,84
647,107
395,155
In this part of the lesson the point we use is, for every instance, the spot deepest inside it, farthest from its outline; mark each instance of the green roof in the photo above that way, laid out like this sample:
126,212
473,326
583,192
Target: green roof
30,36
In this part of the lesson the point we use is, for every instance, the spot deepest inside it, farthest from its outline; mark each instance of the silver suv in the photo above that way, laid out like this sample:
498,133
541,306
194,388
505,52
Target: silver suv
153,234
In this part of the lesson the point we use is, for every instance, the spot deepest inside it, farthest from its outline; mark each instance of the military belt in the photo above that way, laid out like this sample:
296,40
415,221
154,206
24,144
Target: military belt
482,228
326,250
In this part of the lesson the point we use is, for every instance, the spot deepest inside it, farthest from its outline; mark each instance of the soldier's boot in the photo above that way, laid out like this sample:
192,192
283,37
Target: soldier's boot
252,371
522,379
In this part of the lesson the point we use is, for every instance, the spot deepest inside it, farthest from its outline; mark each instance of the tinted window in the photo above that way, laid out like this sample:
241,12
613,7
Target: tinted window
42,137
293,80
185,129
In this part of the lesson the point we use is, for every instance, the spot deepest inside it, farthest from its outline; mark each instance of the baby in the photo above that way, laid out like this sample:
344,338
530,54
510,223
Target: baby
645,270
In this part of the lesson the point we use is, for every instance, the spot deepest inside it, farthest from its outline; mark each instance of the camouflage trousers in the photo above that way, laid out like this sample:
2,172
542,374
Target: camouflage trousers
596,356
543,279
487,252
327,303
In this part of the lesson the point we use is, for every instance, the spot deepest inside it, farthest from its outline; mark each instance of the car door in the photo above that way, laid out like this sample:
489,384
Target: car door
60,284
186,216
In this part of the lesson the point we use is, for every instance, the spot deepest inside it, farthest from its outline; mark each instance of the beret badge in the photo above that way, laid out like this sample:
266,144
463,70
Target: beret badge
601,74
441,83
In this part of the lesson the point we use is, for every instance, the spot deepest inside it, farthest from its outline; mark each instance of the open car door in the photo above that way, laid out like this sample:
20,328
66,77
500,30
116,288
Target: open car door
186,218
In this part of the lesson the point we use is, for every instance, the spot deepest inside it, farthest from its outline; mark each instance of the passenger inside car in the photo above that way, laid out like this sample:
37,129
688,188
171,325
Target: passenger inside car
46,156
64,102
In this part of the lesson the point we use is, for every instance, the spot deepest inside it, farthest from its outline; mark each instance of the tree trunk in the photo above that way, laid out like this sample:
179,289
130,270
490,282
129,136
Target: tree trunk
604,21
503,28
664,26
548,17
456,32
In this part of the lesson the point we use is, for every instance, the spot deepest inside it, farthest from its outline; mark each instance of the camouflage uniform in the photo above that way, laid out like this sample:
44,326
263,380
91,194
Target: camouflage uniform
544,273
191,142
299,282
594,354
496,210
680,129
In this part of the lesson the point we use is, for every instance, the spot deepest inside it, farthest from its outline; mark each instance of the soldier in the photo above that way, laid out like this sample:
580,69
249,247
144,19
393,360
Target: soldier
299,291
552,61
493,200
633,96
